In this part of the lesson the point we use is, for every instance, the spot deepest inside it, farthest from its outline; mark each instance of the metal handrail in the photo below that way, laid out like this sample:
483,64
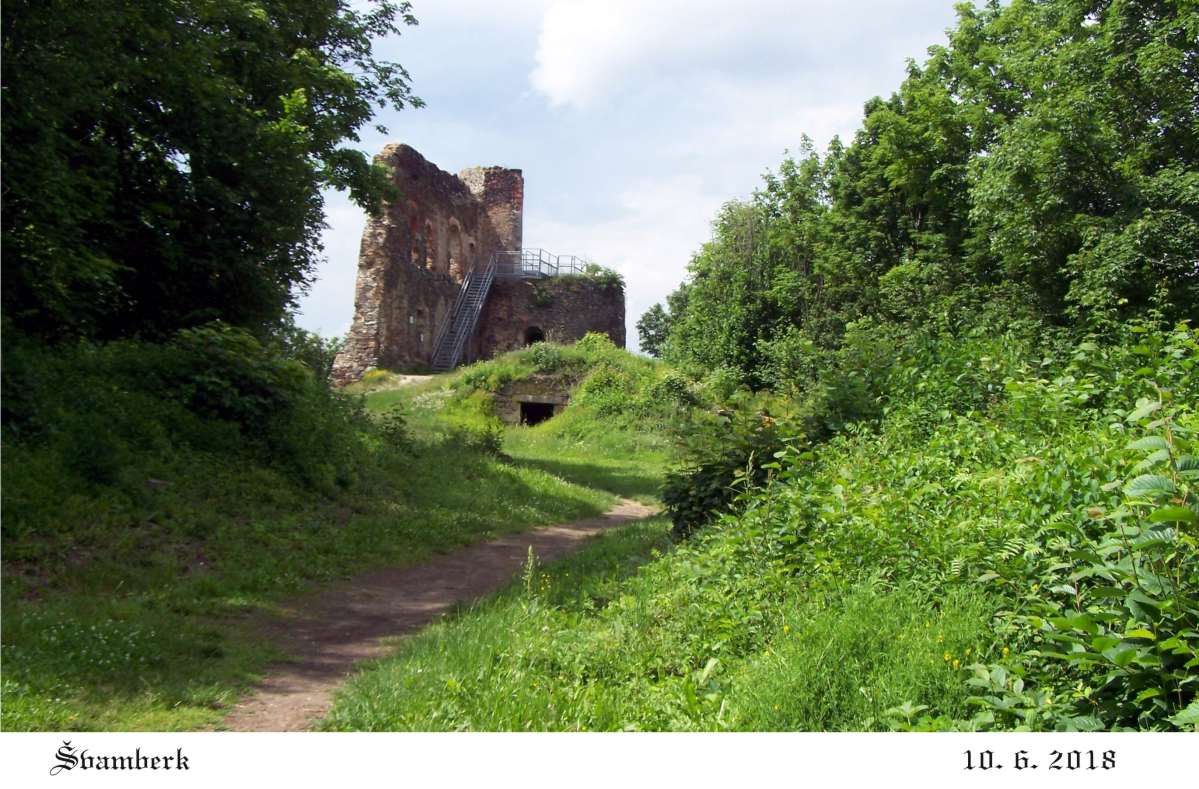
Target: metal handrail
457,326
448,320
537,263
471,320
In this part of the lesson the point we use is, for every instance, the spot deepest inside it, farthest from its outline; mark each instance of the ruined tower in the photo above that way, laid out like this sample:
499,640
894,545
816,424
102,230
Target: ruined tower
442,278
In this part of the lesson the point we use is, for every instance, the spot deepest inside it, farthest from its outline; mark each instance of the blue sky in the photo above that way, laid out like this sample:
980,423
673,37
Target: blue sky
633,121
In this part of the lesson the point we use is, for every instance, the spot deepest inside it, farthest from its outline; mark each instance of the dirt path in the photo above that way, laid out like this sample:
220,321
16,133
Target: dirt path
329,632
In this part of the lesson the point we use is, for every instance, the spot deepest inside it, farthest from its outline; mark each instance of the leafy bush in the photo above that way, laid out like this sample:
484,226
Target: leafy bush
374,376
106,416
486,439
1114,637
603,275
545,357
721,453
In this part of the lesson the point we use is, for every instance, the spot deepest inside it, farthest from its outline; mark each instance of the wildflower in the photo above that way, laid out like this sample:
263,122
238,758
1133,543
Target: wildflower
968,651
1005,651
786,628
947,657
957,664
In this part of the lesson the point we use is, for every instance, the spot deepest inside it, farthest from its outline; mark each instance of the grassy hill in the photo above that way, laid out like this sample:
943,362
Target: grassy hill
125,595
1011,546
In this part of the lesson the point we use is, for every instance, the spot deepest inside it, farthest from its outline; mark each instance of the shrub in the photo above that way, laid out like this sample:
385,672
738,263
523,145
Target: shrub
721,453
545,357
375,376
487,439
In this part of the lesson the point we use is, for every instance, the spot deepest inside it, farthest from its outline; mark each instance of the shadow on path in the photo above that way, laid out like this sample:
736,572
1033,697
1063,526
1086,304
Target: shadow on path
622,481
329,632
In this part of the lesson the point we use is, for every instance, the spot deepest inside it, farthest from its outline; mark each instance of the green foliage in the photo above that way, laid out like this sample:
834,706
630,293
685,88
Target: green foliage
721,453
171,175
104,416
603,276
124,604
487,439
611,387
653,327
1041,165
1116,636
545,357
375,377
1002,549
314,351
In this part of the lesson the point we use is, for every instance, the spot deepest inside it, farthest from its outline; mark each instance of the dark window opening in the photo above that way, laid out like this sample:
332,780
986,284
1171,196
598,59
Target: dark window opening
535,413
534,334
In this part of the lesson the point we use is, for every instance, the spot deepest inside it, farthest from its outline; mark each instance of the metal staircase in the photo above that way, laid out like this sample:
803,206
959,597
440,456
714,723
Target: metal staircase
459,323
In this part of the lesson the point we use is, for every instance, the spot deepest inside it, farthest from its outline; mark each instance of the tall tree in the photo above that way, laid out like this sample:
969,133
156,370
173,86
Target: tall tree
653,327
164,159
1043,164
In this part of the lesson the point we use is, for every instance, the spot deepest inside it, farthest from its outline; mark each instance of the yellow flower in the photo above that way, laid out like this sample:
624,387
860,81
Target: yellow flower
786,628
957,664
1005,651
947,657
968,650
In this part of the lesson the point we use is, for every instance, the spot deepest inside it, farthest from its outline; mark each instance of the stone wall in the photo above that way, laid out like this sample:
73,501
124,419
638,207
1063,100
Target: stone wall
534,389
416,253
559,309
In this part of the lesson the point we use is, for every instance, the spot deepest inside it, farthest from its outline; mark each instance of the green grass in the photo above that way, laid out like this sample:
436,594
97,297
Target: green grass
624,636
937,570
482,669
609,437
168,596
624,462
130,613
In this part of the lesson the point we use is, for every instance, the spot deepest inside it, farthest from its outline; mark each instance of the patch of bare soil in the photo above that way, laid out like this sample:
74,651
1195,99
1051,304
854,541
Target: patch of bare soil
329,632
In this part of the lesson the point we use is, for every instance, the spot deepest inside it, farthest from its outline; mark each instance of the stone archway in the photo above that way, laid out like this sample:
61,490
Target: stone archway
457,262
430,247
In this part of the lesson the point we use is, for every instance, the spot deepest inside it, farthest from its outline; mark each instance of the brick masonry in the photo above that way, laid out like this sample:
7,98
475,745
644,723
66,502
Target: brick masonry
415,254
559,309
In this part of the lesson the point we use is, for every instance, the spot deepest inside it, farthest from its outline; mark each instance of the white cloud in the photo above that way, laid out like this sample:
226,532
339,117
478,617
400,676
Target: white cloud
328,307
649,241
593,51
633,119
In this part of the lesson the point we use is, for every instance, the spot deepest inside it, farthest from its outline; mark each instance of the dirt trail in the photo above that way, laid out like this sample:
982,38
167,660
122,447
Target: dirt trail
329,632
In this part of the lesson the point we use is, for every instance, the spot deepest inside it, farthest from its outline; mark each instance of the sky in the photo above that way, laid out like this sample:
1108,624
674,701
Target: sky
633,120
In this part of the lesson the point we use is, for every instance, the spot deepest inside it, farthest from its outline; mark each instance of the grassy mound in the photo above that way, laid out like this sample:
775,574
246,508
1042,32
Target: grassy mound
1012,546
156,494
612,436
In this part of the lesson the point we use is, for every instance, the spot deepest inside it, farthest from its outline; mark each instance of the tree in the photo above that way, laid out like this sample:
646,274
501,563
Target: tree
653,327
1042,165
164,159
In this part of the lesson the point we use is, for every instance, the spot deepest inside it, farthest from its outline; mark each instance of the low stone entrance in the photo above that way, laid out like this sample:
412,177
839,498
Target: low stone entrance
535,413
532,400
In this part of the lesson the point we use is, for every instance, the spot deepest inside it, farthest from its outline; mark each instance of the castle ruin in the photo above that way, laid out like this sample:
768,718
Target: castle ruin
443,278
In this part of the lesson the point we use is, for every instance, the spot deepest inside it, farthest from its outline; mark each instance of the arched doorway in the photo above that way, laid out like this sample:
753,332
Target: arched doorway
457,264
534,334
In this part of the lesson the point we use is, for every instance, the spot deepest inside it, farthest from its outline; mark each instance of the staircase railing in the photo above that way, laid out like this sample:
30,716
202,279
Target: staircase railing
459,323
448,321
537,263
